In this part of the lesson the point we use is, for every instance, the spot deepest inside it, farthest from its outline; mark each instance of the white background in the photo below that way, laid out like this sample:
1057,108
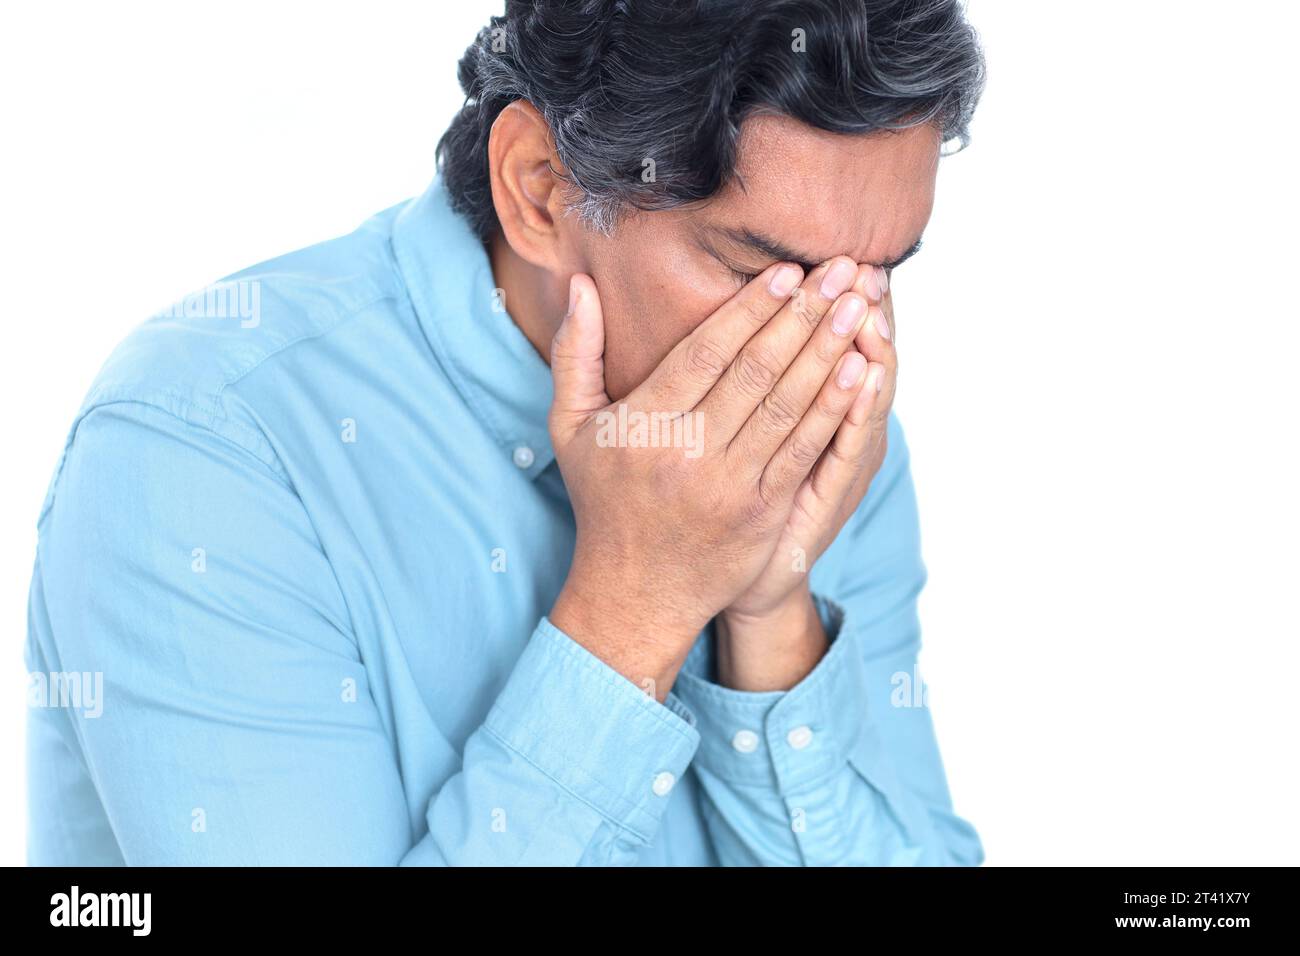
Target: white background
1098,347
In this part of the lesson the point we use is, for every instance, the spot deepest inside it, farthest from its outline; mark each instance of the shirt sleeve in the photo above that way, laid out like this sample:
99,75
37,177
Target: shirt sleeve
844,768
237,724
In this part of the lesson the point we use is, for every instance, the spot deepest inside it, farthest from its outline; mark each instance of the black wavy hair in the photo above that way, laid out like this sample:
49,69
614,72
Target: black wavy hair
621,82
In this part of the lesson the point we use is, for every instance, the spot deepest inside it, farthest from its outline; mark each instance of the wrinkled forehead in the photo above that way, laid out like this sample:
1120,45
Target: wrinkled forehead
825,194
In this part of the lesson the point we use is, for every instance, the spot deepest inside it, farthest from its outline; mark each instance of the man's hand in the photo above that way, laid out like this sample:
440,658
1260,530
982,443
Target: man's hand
667,537
770,636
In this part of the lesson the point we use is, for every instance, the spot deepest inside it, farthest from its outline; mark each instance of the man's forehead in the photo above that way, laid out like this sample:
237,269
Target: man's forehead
816,194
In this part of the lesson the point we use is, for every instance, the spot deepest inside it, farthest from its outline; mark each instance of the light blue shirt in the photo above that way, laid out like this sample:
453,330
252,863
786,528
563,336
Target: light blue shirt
289,608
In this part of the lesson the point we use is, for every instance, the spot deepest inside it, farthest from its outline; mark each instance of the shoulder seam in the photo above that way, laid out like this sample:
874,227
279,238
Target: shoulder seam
338,322
183,408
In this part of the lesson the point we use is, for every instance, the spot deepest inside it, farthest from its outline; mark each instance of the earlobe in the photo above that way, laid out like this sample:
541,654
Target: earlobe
526,188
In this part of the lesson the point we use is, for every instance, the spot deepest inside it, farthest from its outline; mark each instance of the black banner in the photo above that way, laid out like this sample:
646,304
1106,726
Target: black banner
1176,905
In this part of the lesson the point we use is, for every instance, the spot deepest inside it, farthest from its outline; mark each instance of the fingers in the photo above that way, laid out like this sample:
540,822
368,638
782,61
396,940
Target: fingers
764,358
846,464
875,340
797,455
872,282
578,361
696,363
792,396
886,299
843,474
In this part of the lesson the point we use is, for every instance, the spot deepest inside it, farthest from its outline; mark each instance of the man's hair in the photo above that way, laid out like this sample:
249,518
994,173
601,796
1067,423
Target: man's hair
645,98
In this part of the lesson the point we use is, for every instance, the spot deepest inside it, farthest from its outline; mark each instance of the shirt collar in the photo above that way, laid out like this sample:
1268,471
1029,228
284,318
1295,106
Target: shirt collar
461,311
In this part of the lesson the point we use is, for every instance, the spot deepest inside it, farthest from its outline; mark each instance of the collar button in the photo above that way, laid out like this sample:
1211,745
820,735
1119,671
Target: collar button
800,737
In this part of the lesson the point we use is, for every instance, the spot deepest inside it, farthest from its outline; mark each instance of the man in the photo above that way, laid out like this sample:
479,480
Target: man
554,517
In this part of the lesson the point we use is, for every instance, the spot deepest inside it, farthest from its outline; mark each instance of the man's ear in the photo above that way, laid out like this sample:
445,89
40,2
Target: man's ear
528,194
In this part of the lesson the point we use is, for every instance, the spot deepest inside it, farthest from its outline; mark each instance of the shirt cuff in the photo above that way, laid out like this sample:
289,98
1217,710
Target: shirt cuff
593,731
782,739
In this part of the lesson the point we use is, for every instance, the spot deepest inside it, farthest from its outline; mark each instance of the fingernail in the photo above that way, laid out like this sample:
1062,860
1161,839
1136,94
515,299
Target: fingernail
883,278
873,285
851,370
875,378
573,295
881,323
848,311
784,280
838,278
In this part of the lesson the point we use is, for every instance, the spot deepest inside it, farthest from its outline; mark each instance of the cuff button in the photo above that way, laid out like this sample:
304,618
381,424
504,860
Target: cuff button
663,783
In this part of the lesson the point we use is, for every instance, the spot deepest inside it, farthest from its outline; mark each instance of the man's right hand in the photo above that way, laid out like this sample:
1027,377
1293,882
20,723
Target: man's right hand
668,536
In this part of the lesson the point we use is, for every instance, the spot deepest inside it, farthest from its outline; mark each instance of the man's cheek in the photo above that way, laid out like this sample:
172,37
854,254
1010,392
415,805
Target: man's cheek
641,329
631,350
648,347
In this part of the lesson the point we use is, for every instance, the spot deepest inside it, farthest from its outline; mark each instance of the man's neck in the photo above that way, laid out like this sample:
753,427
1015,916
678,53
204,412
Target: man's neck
529,295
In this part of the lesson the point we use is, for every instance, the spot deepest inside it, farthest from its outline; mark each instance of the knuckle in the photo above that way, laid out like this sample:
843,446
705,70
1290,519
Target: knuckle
830,404
705,359
561,357
878,423
756,310
841,454
560,341
888,389
778,412
827,348
755,370
803,451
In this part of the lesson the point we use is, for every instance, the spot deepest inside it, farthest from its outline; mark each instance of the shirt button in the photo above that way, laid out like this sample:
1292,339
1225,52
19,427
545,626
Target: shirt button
524,457
800,737
663,783
746,741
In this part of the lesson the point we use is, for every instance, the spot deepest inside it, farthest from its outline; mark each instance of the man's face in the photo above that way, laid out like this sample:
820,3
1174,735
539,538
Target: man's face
813,194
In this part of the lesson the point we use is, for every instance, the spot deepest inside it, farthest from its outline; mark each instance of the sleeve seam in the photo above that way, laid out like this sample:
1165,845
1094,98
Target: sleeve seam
621,825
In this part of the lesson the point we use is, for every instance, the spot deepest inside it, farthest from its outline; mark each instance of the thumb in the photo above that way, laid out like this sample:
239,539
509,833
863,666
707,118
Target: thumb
578,361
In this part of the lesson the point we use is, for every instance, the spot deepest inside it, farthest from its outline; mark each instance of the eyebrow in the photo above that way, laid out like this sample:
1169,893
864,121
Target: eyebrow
778,252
